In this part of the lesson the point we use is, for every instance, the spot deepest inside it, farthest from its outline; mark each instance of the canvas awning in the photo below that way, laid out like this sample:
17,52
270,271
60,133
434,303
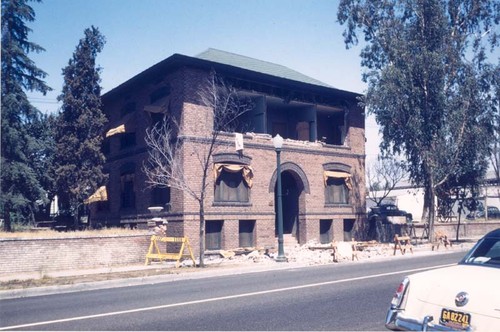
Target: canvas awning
100,195
247,171
126,124
338,175
159,106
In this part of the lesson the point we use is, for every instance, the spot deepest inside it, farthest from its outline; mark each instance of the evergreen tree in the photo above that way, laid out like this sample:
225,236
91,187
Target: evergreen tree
20,185
429,84
79,160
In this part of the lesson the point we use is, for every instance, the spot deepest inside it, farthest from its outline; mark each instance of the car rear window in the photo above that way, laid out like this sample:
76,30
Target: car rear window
486,252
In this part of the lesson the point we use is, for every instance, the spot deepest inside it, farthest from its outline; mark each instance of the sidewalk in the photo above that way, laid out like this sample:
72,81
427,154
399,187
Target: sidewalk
34,284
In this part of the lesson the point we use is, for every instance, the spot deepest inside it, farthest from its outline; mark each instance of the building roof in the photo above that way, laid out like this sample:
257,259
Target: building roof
238,66
256,65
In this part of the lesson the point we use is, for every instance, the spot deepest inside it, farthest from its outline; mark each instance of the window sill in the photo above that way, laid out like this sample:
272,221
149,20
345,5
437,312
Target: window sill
231,204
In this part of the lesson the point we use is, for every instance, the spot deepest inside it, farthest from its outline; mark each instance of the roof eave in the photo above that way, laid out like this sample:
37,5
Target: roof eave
179,60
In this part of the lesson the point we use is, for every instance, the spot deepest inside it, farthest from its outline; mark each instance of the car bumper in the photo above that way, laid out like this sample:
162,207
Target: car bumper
397,322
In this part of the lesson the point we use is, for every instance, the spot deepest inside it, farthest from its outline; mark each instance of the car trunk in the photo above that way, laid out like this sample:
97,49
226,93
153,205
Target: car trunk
432,291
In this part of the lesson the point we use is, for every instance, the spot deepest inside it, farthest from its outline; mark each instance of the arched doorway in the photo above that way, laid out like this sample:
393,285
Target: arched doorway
290,191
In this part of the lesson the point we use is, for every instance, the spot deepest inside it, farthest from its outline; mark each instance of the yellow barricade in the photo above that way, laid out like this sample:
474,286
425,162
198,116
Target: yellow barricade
154,251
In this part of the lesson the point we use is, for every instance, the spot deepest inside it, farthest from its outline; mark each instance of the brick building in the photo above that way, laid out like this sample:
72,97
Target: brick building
322,160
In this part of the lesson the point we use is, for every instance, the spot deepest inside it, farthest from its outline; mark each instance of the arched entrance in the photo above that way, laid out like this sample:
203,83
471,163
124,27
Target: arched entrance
290,191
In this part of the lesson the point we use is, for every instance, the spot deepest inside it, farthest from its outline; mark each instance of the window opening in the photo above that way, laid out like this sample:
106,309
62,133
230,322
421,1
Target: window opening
246,233
160,196
213,234
331,128
127,191
336,191
325,231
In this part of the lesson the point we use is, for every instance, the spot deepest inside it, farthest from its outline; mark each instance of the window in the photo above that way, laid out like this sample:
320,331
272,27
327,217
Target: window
106,147
325,231
331,128
127,191
231,185
213,234
160,196
348,227
246,233
157,119
336,191
127,140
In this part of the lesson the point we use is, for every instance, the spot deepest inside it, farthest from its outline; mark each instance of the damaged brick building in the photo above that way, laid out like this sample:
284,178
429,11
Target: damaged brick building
322,159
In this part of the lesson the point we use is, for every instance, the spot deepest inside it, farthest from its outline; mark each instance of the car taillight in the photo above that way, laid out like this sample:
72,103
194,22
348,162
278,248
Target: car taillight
398,297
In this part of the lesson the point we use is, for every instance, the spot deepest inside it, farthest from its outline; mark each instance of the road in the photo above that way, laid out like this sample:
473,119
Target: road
328,297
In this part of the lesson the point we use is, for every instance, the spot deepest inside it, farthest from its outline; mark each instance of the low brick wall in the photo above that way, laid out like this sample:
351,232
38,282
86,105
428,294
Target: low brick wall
21,255
469,229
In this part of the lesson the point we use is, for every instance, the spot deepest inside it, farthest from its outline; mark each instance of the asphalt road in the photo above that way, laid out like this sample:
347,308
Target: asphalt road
328,297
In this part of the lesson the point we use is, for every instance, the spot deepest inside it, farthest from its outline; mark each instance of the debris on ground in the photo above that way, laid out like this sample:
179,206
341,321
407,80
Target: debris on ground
311,253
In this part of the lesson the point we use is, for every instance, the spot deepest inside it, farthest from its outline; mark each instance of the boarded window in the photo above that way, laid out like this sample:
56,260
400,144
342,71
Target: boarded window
246,233
336,191
231,187
213,234
325,231
127,191
160,196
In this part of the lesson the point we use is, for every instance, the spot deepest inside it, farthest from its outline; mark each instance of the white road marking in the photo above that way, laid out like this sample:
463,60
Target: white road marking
165,306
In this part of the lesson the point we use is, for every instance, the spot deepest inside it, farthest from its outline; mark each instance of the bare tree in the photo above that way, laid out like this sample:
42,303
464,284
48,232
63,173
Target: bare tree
382,177
165,165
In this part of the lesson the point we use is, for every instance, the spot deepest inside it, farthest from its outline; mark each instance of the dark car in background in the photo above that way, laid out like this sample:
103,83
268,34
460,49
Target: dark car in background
493,213
390,213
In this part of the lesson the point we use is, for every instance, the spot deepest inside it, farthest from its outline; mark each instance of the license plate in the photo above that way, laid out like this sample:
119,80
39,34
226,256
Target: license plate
455,319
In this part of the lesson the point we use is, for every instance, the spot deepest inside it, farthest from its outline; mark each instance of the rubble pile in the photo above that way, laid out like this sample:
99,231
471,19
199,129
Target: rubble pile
311,253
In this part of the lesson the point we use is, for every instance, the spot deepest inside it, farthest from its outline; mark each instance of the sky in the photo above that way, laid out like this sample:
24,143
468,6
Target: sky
302,35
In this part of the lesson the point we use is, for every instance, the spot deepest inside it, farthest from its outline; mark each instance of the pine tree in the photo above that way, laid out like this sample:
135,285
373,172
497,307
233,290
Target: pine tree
20,185
79,160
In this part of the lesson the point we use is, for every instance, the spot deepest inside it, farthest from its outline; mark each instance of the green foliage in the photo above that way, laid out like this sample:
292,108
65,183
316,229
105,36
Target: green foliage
79,127
21,183
430,85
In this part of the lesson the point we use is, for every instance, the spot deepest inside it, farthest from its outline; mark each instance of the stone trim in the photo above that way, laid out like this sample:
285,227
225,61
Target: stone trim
298,174
227,157
337,167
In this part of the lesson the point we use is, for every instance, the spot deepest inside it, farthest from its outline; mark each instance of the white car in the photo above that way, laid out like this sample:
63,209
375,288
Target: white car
465,296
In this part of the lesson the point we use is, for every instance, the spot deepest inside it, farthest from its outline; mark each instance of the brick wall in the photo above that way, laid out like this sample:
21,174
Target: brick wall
59,254
474,229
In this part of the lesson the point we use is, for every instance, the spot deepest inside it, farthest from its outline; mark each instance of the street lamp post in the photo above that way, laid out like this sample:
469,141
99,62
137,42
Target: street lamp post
278,144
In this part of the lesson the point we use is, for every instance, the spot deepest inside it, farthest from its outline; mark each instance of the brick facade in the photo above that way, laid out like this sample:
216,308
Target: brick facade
303,162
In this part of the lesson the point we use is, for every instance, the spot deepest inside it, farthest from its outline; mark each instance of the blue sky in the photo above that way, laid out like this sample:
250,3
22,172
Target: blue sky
302,35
